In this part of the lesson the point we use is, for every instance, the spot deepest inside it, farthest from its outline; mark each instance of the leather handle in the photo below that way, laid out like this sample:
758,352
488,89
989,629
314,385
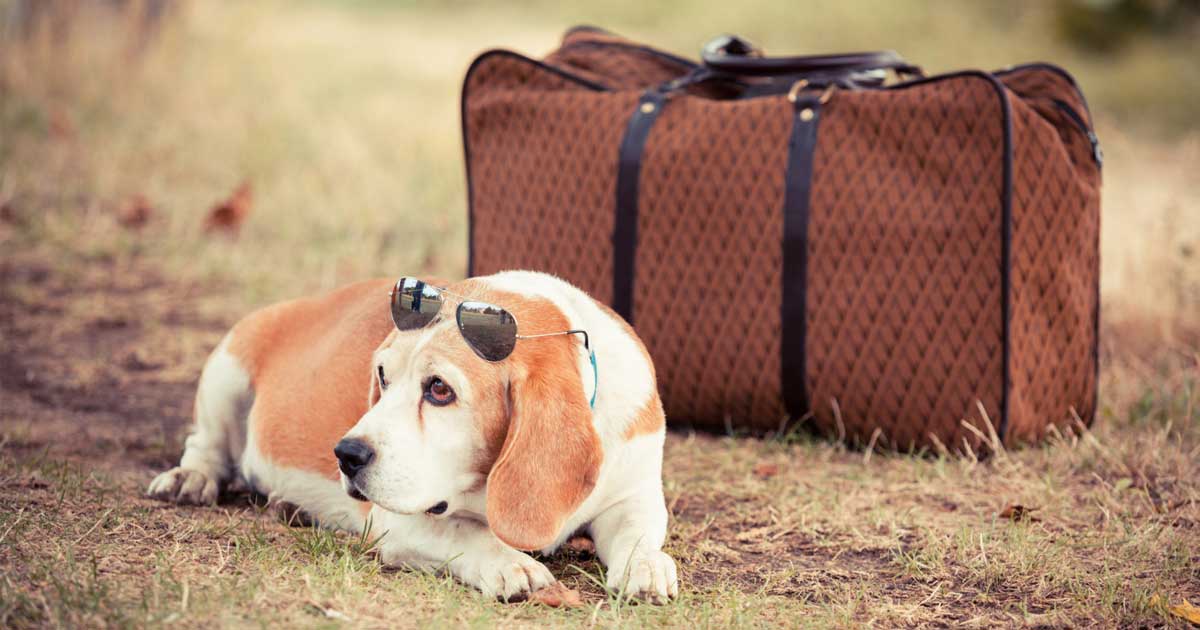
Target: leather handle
734,55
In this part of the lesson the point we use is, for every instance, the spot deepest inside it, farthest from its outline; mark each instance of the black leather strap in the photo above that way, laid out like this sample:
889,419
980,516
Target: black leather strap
624,238
734,55
801,147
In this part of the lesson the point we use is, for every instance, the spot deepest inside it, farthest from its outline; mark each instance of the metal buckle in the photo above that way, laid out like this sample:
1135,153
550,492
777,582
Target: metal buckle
794,94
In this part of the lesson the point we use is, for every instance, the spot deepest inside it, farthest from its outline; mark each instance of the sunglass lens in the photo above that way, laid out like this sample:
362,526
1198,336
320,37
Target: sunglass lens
490,330
414,304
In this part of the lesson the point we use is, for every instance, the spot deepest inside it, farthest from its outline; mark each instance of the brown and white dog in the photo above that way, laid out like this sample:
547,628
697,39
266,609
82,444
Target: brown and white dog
516,461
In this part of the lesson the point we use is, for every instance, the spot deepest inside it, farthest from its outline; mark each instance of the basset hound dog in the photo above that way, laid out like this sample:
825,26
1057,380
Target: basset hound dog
471,422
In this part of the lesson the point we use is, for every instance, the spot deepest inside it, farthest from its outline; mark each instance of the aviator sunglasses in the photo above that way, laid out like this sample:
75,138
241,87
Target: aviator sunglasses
488,329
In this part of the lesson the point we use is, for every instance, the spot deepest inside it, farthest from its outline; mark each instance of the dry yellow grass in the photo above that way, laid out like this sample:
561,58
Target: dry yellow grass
344,119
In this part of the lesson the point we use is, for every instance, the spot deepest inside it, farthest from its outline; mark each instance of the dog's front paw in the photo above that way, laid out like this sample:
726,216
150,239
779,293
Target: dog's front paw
504,573
185,486
647,576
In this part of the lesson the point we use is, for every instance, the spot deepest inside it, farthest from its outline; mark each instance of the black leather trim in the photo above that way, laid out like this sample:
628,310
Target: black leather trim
840,64
629,169
797,192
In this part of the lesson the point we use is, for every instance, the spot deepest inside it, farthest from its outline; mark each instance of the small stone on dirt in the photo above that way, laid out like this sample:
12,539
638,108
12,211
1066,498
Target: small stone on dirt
135,362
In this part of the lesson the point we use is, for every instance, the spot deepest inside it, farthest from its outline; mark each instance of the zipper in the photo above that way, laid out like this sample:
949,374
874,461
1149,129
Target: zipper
1041,65
1097,152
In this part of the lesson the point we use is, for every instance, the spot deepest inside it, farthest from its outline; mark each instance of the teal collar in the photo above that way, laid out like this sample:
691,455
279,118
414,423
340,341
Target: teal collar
595,378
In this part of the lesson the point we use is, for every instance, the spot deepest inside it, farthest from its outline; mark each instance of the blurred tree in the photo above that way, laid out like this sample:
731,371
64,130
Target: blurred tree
1107,25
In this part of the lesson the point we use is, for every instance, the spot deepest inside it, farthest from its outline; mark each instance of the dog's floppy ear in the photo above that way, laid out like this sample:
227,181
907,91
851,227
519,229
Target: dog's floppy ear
551,455
376,389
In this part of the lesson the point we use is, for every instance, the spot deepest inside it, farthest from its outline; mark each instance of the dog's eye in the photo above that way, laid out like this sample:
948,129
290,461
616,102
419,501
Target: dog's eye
383,382
438,392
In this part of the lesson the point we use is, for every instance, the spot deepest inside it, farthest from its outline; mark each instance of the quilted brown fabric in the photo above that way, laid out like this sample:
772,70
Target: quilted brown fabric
542,171
1055,245
703,239
905,304
952,238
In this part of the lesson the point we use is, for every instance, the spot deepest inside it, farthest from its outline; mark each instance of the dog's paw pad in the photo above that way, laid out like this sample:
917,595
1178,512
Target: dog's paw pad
184,486
510,576
650,577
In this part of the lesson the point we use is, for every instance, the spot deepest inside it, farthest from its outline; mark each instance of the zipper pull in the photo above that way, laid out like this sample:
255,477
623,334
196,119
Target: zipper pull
1097,152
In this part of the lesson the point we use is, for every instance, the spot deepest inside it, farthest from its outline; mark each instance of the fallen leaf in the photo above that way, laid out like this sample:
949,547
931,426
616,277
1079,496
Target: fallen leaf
1015,512
1186,611
557,596
581,544
136,212
765,470
228,215
61,125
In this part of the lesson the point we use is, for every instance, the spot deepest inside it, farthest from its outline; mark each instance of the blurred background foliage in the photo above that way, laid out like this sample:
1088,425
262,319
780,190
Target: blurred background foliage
342,117
1138,57
1110,25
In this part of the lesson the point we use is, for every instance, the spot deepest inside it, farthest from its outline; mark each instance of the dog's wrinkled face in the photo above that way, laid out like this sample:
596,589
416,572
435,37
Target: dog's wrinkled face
436,423
445,426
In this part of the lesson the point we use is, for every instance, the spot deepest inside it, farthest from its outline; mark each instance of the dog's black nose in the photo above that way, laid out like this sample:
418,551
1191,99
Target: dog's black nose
353,456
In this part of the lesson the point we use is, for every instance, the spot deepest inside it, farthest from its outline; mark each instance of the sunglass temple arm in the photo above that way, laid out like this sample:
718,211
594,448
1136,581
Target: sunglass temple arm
586,344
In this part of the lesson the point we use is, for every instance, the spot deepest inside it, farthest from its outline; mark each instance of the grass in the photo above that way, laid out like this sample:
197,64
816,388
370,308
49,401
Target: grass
344,120
832,538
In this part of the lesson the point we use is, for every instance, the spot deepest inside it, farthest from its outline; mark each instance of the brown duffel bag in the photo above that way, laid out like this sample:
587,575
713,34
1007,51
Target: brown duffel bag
907,263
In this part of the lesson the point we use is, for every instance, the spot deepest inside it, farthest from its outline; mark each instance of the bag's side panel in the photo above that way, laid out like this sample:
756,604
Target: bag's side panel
1053,95
1055,275
541,158
905,263
710,227
1040,84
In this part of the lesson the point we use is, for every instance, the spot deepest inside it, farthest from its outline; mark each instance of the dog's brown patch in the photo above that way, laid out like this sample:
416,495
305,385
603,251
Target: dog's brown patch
282,345
649,419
